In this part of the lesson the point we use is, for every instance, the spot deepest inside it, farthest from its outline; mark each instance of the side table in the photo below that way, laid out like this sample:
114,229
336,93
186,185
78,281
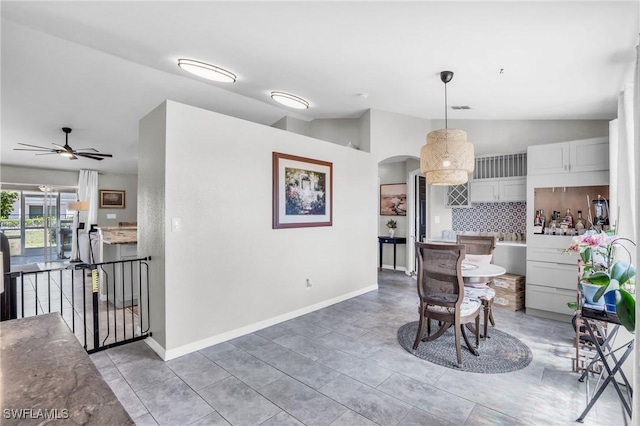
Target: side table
606,354
390,240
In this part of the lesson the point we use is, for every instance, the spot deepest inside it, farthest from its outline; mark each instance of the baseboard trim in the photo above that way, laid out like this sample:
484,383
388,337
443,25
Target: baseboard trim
398,268
232,334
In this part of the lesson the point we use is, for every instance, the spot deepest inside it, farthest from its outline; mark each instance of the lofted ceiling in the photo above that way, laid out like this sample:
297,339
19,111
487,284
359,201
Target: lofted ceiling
98,67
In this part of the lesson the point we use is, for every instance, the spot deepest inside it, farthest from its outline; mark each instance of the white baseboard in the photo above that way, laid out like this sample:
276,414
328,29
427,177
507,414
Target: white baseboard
398,268
232,334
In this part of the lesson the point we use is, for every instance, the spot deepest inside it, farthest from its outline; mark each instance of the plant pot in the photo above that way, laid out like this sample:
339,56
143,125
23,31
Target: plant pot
610,301
588,291
392,232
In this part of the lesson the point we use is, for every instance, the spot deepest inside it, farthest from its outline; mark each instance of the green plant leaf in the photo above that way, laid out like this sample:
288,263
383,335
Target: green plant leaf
612,286
626,310
622,271
599,278
572,305
585,255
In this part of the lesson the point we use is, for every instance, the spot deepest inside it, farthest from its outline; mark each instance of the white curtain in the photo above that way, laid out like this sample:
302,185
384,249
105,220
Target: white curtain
87,191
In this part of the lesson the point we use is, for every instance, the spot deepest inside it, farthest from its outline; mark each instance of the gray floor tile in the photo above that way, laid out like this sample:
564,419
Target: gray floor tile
145,373
401,361
428,398
238,403
106,367
483,416
254,372
351,418
282,419
307,371
305,404
220,351
174,403
366,401
417,417
196,370
213,419
362,370
258,346
357,347
128,398
145,420
303,346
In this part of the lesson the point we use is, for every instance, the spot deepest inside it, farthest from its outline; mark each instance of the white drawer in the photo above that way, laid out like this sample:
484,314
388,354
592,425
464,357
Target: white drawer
553,274
549,299
555,255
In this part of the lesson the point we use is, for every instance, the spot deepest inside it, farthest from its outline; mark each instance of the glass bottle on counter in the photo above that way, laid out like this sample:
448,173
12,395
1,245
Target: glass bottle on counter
581,224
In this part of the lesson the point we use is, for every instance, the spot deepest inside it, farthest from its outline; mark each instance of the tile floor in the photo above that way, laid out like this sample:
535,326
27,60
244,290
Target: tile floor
342,365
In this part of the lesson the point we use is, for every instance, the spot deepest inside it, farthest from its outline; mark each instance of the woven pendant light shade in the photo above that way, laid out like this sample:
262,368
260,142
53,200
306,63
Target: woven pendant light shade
447,158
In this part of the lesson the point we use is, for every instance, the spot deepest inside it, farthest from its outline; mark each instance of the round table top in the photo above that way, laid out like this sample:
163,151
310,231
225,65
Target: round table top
478,270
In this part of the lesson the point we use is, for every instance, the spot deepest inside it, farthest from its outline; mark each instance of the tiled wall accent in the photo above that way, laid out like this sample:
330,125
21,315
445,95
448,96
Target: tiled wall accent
497,217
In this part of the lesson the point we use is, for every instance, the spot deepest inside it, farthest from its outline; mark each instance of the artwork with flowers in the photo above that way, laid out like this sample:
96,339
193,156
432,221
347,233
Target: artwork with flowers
598,251
302,192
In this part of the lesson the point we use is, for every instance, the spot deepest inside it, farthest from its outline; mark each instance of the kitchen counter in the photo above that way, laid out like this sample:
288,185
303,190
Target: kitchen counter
46,374
119,235
498,243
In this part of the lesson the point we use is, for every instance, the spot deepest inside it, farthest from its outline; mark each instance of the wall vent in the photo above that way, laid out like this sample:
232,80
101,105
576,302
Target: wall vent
500,166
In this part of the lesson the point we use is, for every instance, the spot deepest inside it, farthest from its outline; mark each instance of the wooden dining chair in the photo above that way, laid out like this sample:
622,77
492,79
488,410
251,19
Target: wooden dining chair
441,293
479,249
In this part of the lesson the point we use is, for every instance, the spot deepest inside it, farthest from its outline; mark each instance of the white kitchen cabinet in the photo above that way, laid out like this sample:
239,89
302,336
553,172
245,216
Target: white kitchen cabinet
498,190
586,155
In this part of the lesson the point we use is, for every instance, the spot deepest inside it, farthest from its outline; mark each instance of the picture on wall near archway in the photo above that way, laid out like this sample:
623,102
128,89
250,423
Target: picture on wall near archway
393,199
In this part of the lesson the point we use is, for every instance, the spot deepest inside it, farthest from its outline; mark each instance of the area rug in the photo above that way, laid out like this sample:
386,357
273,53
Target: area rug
500,353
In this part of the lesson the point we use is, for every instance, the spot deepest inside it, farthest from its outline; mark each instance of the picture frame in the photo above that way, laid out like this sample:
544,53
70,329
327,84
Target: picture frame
112,199
302,192
393,199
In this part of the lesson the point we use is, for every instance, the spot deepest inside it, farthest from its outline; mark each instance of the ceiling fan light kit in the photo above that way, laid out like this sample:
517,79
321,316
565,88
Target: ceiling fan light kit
208,71
447,158
66,150
287,99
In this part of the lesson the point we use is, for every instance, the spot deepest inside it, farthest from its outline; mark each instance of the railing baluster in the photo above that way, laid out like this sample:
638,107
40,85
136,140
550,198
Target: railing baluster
49,289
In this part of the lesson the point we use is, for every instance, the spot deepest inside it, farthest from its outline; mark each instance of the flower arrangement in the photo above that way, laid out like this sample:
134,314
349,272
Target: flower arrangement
596,250
392,224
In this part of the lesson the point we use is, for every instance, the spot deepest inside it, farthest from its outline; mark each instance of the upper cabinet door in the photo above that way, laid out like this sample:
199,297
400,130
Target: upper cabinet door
513,189
483,191
589,155
549,158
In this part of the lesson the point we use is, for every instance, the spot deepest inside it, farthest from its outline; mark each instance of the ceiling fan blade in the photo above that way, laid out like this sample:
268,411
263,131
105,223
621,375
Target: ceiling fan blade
87,149
59,146
48,153
97,154
34,146
93,157
35,150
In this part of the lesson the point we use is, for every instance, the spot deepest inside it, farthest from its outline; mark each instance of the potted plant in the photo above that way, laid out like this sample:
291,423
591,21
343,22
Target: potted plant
392,225
597,251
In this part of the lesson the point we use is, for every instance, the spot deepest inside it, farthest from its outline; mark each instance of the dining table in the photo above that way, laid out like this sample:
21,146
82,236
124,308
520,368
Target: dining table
475,273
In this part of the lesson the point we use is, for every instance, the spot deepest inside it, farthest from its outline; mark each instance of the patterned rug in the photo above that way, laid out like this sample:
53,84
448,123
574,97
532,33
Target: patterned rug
500,353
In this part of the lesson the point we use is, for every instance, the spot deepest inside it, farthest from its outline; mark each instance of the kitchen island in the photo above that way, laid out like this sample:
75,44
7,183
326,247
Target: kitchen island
47,377
119,281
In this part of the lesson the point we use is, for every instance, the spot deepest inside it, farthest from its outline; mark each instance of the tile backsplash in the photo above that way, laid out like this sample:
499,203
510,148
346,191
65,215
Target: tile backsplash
496,217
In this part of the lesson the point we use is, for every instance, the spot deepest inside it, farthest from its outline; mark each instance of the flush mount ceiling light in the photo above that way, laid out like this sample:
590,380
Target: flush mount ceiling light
447,158
208,71
290,100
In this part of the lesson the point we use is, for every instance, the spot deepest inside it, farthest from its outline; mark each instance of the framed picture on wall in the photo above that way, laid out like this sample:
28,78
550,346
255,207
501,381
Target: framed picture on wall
393,199
112,199
302,192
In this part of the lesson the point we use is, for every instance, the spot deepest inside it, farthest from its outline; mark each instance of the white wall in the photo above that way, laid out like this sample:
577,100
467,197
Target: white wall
337,130
227,272
122,182
509,136
33,176
152,216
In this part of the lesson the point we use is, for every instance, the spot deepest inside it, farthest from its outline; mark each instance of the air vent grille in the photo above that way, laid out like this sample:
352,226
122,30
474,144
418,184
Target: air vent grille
501,166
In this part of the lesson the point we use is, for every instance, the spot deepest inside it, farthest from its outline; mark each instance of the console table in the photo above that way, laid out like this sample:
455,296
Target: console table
606,354
390,240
